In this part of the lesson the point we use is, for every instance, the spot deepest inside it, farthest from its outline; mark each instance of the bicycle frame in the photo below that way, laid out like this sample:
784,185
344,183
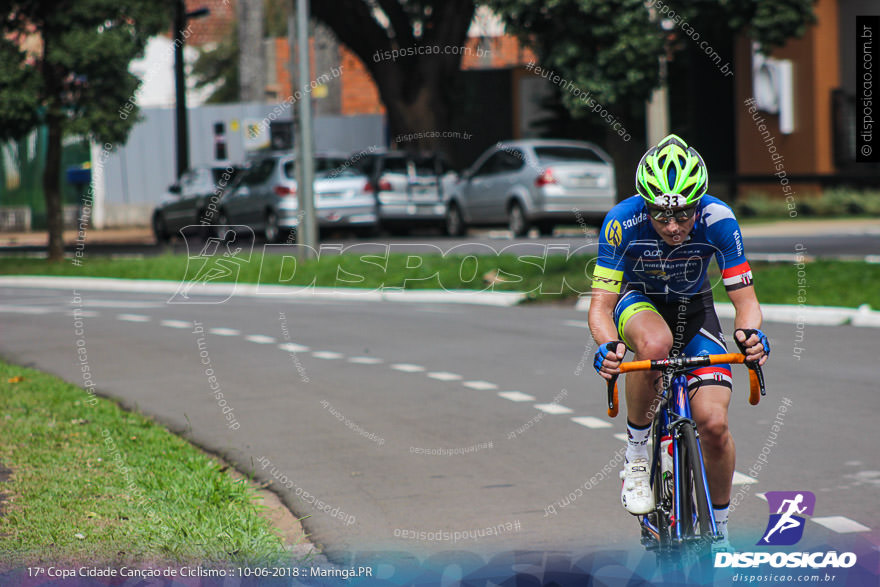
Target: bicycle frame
674,410
671,413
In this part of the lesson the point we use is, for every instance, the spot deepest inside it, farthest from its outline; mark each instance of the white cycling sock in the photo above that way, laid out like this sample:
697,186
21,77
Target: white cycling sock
637,441
721,517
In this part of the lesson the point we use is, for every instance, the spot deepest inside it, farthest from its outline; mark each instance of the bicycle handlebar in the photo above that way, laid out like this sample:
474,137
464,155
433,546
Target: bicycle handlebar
756,376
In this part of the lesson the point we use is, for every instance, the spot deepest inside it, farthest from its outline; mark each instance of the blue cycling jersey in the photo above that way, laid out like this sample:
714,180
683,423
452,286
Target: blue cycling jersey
633,256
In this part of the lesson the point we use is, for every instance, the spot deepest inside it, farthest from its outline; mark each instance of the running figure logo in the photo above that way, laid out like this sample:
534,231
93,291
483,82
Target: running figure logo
219,260
786,526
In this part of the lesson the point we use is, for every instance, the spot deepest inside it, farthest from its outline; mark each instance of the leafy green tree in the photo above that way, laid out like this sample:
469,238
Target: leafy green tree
76,81
414,87
610,48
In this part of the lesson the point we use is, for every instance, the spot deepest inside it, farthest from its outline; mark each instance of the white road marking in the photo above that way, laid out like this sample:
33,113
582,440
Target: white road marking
328,355
480,385
224,331
761,496
591,422
120,304
841,524
444,376
176,323
516,396
260,338
293,348
621,436
365,360
133,317
407,367
26,309
84,314
741,479
577,323
553,408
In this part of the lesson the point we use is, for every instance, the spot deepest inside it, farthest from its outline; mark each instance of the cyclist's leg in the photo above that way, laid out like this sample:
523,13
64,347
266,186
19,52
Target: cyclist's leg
645,332
710,389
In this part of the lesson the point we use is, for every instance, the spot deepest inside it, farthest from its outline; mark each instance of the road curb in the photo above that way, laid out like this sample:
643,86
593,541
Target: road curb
484,298
796,314
792,314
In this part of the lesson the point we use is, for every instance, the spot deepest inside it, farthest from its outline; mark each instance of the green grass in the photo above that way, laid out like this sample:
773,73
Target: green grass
92,483
828,283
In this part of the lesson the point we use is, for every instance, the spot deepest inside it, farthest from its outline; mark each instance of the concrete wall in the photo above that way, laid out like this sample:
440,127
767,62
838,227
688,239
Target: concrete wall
137,175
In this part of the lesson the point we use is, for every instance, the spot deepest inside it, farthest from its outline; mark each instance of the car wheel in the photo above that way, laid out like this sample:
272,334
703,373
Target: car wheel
272,231
160,229
454,222
517,220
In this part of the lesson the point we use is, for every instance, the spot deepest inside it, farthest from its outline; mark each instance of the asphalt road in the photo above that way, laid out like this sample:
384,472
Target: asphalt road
349,417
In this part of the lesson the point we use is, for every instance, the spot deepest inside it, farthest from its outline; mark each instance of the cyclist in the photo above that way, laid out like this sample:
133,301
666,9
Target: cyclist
651,295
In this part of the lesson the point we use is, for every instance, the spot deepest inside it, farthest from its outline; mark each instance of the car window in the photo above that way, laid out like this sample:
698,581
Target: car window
427,166
395,165
224,175
549,155
260,172
511,160
490,165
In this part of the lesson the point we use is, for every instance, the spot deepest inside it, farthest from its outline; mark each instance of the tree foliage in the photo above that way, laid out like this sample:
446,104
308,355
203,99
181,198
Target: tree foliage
611,47
74,78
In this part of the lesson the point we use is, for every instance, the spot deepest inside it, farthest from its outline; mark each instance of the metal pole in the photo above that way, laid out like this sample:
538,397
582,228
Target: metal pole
307,233
180,89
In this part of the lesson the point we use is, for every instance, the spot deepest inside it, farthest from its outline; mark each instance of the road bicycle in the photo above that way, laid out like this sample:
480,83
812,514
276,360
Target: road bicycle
682,525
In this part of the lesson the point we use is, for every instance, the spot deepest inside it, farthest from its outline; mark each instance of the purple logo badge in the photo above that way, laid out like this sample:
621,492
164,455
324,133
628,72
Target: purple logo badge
786,526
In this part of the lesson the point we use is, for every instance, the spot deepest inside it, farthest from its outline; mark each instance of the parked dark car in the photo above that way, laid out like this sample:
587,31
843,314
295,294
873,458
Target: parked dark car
193,200
540,183
410,188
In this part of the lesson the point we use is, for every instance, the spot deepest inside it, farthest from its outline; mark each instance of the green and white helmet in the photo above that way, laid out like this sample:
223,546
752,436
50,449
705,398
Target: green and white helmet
672,174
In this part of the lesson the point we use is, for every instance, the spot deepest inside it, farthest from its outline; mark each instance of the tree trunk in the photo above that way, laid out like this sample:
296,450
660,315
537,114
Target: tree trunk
251,64
52,190
52,172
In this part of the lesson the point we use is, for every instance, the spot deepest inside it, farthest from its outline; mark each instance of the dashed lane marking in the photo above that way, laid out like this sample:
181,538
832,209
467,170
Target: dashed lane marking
327,355
841,524
516,396
176,323
260,339
591,422
365,360
621,436
407,367
553,409
13,309
444,376
133,317
577,323
224,331
742,479
479,385
293,347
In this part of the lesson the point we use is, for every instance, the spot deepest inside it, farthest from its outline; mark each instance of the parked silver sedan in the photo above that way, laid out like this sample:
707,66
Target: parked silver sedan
540,183
266,197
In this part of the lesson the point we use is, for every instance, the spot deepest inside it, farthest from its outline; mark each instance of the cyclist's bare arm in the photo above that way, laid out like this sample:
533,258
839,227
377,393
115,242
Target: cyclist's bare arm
601,319
748,315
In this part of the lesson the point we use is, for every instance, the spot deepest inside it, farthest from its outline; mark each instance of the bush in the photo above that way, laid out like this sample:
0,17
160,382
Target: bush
833,202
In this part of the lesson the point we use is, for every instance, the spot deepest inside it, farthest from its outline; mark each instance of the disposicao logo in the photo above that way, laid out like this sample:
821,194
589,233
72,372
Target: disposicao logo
785,528
786,525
